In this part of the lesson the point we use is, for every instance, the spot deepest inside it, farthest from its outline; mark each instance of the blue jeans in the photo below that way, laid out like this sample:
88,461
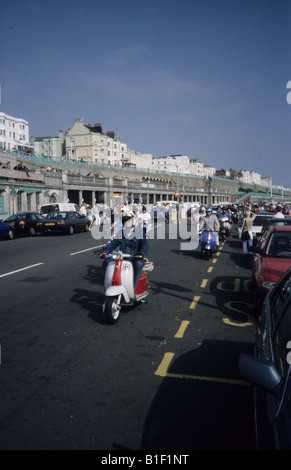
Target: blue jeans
137,269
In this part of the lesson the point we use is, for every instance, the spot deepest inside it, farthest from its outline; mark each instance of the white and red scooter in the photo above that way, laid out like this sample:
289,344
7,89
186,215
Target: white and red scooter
119,284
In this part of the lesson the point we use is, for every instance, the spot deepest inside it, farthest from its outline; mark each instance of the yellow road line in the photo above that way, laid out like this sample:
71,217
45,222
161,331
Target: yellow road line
209,270
182,329
214,260
163,367
194,302
204,282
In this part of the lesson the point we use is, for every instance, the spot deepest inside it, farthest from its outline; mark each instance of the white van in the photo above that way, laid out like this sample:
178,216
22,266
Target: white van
58,206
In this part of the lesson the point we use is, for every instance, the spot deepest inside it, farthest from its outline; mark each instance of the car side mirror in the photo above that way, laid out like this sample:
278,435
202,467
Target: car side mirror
260,372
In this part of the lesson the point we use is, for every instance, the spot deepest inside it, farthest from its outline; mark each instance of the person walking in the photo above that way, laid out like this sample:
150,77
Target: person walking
247,234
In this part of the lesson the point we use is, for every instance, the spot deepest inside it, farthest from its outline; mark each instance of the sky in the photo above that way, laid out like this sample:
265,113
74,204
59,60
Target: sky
202,78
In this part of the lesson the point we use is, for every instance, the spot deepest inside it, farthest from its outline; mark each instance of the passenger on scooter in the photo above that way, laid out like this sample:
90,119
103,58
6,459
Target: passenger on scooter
129,242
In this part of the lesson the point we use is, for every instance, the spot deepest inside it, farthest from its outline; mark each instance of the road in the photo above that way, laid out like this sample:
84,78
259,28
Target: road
164,377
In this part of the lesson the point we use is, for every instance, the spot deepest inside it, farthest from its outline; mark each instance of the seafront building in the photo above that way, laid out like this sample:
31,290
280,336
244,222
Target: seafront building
99,168
88,143
14,133
49,146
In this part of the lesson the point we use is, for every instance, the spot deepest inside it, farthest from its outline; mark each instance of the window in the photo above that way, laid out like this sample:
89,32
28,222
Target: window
19,201
37,199
29,202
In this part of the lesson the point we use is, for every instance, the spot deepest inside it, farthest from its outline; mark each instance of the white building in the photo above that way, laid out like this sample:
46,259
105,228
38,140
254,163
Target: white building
250,176
14,133
172,164
197,168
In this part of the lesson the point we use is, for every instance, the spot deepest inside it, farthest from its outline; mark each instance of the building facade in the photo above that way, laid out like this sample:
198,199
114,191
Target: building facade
49,146
14,133
88,143
172,164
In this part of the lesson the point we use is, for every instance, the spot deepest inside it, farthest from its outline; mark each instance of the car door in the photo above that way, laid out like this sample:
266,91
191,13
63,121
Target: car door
281,346
77,220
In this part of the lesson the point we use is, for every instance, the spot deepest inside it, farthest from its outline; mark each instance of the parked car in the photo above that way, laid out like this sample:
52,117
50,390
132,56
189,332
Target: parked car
6,230
272,257
269,370
273,222
27,223
66,222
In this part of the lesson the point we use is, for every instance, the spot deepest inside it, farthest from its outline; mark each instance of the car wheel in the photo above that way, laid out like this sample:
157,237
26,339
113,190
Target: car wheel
10,235
31,231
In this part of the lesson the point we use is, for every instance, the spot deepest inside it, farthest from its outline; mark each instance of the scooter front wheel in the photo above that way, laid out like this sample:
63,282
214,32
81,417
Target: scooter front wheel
112,309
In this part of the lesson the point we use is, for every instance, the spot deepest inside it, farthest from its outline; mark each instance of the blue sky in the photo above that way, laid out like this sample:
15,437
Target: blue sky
203,78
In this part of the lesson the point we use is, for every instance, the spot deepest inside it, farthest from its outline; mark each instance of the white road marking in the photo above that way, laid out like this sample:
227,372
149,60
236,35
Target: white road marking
22,269
88,249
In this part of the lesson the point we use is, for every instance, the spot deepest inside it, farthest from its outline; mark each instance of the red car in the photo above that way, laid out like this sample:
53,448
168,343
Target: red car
271,260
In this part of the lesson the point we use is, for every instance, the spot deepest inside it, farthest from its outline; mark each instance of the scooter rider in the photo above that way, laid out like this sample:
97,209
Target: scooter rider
210,221
130,242
225,213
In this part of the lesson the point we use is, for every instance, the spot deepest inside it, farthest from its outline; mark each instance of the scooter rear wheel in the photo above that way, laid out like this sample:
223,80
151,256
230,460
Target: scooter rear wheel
112,310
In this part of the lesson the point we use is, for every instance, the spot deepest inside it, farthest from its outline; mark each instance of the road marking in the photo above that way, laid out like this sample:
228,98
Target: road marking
194,302
22,269
229,305
162,371
214,260
88,249
204,282
209,270
182,329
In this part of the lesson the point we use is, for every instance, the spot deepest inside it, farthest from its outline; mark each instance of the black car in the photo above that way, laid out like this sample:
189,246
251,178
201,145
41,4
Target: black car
66,222
26,223
269,370
274,222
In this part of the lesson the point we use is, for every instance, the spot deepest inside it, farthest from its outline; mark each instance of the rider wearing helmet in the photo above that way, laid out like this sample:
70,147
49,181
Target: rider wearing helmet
225,213
209,222
130,242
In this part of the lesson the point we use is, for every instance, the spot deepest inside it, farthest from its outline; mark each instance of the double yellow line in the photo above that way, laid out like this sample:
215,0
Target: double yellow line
162,370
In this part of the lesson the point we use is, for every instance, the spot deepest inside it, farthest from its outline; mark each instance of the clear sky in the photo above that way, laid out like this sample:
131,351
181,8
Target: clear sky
203,78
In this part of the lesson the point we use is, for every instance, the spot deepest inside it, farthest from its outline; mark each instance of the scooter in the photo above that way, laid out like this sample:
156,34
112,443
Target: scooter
119,284
208,243
225,226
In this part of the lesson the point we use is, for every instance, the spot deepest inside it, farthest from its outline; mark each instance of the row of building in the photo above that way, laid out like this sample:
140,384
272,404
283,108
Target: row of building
88,143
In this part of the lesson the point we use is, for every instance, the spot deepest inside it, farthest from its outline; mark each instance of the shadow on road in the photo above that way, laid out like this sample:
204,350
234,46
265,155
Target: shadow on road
199,411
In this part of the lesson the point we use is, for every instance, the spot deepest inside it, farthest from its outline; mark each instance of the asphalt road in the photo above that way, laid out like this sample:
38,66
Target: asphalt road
164,377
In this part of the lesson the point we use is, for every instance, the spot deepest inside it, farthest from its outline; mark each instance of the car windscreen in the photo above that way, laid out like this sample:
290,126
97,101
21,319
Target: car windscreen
279,245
